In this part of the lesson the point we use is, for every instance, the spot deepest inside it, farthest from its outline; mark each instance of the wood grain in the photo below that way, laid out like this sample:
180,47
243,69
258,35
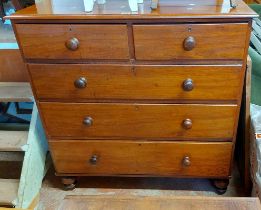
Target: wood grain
9,191
134,96
96,41
242,150
13,68
165,42
150,121
142,157
12,140
136,82
15,92
82,202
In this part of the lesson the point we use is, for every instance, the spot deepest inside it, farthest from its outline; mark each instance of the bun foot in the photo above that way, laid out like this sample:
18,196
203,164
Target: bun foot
69,183
221,185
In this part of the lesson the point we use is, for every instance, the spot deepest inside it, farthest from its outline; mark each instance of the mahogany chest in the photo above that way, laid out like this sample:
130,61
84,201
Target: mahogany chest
151,93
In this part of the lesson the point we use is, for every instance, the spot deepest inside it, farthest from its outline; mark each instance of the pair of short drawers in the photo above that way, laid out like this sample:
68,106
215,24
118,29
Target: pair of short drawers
149,42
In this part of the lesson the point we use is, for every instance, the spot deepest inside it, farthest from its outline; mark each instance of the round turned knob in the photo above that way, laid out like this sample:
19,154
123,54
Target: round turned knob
186,161
88,121
93,160
187,124
188,85
72,44
189,43
80,83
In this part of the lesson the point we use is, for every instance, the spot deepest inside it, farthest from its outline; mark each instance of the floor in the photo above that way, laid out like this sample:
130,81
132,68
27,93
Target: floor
159,203
52,194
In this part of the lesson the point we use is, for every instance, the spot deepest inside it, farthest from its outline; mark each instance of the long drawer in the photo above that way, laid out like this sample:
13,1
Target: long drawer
152,121
73,41
141,158
144,82
190,41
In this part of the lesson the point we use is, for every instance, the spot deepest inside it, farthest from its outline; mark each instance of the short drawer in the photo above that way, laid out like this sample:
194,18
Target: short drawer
73,41
99,82
190,41
142,158
152,121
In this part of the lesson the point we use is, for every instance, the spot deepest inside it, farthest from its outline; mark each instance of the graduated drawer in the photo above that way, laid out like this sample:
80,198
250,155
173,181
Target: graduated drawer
141,158
73,41
190,41
152,121
79,82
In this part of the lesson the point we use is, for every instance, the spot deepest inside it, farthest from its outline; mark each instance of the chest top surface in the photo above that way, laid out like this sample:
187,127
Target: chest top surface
119,9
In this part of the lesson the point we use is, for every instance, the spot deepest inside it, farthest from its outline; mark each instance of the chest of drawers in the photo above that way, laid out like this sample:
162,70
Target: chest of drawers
156,93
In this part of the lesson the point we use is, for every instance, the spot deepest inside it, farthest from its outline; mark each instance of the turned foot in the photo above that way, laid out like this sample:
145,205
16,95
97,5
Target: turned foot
221,185
69,183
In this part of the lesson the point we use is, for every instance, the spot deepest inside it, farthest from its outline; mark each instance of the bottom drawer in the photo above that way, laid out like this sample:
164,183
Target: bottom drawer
141,158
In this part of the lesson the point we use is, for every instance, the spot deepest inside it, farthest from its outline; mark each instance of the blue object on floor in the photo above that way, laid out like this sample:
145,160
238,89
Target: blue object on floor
9,12
9,46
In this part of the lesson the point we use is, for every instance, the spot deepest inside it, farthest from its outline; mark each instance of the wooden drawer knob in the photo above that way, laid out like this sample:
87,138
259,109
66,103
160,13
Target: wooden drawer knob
188,85
187,124
72,44
189,43
80,83
87,121
186,161
93,160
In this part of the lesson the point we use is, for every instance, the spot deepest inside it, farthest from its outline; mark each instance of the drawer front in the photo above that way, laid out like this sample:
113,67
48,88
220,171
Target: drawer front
190,41
73,41
152,121
142,158
79,82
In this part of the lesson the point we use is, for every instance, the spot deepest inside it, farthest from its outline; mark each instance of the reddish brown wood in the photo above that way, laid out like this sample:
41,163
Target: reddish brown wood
221,185
12,66
95,41
166,41
137,82
152,158
144,88
242,153
157,121
69,183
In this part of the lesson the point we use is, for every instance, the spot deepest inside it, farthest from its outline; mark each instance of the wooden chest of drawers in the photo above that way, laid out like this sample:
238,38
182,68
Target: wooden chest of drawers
156,93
